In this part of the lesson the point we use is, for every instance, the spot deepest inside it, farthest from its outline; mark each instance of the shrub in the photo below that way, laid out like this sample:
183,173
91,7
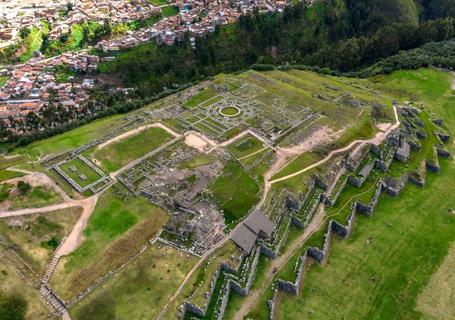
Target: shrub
24,187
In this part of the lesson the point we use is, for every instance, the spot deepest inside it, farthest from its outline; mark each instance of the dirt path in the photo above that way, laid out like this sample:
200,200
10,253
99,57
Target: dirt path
137,131
189,274
75,238
23,212
377,139
252,154
453,81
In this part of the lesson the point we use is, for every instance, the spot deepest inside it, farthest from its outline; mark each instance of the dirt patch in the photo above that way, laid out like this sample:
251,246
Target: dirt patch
453,81
317,137
383,126
436,300
199,142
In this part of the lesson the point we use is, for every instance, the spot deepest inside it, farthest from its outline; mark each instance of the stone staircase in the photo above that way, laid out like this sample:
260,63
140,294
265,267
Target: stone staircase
53,300
50,270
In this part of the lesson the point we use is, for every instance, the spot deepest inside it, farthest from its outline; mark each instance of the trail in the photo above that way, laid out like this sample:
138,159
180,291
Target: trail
453,81
75,238
379,137
252,154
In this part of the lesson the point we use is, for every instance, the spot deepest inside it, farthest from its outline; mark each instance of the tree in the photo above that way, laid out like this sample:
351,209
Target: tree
24,32
44,42
24,187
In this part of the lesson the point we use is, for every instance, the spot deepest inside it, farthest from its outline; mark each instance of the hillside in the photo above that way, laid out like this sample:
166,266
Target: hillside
158,222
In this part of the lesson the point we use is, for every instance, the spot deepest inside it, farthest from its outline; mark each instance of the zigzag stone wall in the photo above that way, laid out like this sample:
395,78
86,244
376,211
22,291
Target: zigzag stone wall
241,284
334,228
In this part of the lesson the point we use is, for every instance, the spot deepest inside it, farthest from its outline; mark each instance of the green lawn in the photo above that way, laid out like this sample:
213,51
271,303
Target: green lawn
116,155
235,191
117,228
38,196
245,146
74,138
7,174
200,96
81,169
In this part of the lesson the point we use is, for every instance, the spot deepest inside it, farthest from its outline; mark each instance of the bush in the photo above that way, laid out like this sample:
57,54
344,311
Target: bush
24,187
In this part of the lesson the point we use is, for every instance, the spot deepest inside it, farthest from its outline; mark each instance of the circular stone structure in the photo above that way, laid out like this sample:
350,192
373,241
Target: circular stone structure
230,112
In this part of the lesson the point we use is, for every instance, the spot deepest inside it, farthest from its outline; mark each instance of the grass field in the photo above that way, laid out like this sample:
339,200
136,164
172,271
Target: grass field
116,230
140,290
38,235
81,169
245,146
39,196
395,263
380,271
297,164
200,97
72,139
429,86
8,174
12,284
116,155
199,160
235,191
435,301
